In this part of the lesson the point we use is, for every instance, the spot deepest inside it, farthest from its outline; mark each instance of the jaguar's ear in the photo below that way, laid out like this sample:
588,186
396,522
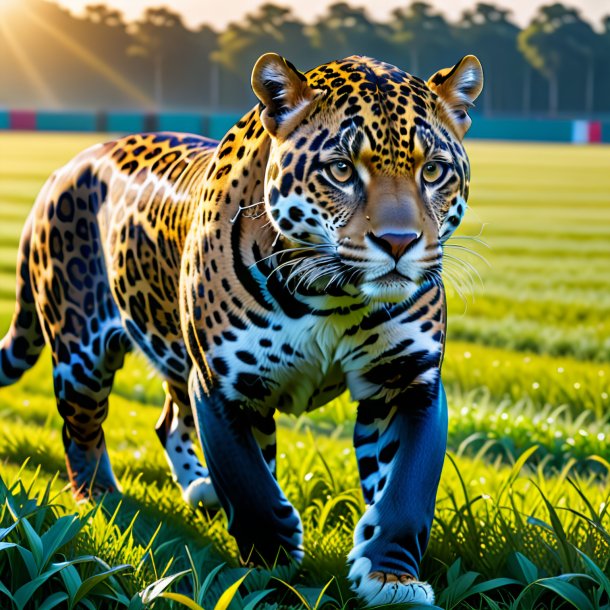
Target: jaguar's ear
283,91
459,87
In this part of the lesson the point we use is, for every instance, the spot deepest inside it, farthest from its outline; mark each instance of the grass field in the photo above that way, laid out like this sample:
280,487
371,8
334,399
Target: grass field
522,501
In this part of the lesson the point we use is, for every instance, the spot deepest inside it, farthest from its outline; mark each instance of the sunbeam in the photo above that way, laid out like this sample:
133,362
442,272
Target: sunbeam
93,61
28,68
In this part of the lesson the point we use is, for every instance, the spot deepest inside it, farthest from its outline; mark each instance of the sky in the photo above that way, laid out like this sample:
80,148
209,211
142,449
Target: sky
220,12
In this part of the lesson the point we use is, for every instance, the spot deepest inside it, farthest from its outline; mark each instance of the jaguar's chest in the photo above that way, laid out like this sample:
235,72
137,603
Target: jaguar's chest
296,365
293,365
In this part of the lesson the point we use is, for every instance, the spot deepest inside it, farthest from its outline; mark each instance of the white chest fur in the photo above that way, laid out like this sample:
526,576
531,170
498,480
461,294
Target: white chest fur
296,365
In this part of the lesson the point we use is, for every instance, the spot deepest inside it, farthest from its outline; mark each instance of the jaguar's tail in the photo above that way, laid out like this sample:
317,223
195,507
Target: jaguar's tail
22,344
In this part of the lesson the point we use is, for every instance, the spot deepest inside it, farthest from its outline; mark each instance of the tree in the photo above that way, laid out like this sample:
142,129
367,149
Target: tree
602,69
559,42
425,36
270,28
487,32
178,56
345,30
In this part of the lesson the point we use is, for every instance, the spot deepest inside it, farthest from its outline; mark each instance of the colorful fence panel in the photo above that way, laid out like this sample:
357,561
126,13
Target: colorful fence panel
216,125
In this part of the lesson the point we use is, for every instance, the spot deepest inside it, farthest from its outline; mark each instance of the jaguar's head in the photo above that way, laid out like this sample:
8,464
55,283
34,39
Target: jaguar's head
367,167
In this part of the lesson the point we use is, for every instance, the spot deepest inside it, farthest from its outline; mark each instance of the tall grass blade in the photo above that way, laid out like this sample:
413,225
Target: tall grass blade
154,590
182,599
228,595
572,594
53,601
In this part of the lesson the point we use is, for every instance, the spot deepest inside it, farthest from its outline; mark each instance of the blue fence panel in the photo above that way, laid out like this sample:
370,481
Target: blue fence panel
521,129
181,121
66,121
125,122
219,124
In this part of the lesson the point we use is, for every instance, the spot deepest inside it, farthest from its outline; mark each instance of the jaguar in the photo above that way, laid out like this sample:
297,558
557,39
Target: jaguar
297,258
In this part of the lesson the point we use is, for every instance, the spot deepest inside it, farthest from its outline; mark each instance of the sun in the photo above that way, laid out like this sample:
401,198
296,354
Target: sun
5,5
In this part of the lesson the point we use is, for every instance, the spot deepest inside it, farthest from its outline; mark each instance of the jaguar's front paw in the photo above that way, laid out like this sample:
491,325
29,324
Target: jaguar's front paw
201,492
89,472
378,588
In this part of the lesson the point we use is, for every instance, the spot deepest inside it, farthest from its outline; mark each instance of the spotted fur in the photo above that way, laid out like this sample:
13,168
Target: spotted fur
298,257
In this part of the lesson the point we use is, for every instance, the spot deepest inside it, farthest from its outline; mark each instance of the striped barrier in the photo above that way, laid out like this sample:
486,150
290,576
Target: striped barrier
216,125
585,132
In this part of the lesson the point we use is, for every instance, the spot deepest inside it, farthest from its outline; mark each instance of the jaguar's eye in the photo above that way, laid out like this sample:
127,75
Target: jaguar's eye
340,171
433,172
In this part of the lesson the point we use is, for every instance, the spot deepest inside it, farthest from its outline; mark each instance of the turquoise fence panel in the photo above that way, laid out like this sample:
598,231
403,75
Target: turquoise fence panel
181,121
5,122
219,124
125,122
521,129
66,121
605,133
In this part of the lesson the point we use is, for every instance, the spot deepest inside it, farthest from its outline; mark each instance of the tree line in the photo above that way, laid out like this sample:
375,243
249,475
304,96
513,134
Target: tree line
557,65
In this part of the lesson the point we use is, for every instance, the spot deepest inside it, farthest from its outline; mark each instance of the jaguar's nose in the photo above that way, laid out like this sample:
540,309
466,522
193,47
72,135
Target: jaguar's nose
395,244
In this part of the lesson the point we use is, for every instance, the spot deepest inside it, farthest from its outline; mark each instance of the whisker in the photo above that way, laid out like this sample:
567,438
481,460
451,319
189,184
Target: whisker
304,268
287,250
469,238
456,287
461,279
467,265
313,272
246,207
294,261
469,251
463,275
321,273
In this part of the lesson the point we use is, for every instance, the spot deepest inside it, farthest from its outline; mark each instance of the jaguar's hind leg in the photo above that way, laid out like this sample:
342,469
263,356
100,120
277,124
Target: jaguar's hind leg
83,374
175,430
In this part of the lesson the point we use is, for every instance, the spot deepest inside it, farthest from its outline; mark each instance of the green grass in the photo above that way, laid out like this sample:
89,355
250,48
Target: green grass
527,373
